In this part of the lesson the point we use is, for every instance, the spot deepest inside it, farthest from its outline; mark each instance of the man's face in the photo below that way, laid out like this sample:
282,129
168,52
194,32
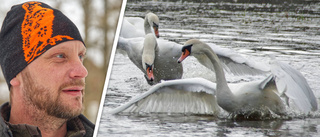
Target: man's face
54,82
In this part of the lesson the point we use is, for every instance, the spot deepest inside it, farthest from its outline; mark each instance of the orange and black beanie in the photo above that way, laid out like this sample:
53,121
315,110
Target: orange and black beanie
29,30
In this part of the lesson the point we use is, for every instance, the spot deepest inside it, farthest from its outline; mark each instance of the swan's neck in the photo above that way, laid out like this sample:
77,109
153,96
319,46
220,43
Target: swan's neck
220,76
225,97
149,51
147,26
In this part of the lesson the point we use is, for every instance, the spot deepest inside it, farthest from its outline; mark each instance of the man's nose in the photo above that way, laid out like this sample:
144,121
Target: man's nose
78,70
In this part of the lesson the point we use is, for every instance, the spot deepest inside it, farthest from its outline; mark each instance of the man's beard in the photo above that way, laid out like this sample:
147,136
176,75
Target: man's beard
41,97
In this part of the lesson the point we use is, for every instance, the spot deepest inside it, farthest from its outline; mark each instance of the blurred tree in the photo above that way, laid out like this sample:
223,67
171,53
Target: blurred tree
98,21
111,12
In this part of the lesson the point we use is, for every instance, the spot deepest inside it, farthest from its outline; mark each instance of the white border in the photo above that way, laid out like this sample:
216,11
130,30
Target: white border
115,41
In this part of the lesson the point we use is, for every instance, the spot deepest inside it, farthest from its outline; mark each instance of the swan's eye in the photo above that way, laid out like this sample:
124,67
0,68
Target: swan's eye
148,67
155,25
186,48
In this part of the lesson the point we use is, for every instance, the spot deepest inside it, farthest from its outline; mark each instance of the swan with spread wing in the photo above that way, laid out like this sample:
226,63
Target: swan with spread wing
264,95
200,96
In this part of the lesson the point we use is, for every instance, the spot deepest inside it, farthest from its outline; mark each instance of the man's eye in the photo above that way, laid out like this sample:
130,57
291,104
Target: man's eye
81,57
60,56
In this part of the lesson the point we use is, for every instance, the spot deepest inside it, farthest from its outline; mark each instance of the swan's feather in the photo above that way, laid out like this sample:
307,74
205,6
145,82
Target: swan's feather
132,27
291,83
137,22
132,47
122,44
268,83
195,95
235,63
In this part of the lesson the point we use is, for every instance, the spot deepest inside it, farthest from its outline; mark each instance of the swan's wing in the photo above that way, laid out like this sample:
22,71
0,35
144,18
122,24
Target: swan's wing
187,96
133,49
291,83
169,49
137,22
122,44
131,29
130,45
235,63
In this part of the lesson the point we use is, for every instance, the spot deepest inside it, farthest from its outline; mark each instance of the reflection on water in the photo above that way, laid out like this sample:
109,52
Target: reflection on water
289,30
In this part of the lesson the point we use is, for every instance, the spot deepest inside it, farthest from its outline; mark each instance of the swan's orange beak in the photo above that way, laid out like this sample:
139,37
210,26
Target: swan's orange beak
184,55
150,73
156,31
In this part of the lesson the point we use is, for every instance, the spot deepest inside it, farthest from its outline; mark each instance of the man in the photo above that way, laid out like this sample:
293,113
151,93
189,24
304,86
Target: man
41,56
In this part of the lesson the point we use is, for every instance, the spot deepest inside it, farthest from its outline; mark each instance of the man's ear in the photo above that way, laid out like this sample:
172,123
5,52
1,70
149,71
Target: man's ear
15,82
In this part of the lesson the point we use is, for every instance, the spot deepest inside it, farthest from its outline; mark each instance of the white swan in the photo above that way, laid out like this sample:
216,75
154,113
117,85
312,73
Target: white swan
137,27
198,96
256,95
160,57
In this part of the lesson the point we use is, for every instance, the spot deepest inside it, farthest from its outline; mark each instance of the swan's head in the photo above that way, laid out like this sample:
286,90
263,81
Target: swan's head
153,21
193,44
149,70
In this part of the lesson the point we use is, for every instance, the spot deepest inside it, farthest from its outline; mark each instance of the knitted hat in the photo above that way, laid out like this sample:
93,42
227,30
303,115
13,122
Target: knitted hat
29,30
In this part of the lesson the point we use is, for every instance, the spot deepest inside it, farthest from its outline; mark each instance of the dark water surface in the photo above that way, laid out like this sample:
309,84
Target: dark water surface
290,30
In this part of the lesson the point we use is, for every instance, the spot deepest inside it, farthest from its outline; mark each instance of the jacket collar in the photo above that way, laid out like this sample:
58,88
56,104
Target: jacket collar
75,127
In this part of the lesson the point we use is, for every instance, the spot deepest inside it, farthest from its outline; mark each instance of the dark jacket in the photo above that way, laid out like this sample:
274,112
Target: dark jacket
76,127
